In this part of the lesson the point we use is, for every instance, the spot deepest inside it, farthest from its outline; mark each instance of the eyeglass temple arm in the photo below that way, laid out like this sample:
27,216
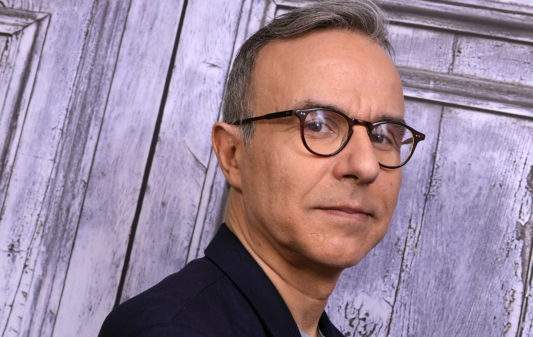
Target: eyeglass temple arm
267,116
418,137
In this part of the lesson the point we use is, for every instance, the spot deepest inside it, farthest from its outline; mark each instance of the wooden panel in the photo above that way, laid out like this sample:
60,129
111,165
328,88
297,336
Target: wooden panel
86,82
495,60
482,21
21,39
366,294
485,95
409,42
477,62
132,105
471,257
22,36
184,165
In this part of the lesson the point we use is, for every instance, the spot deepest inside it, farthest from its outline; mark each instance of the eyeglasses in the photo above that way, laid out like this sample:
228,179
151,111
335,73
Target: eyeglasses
325,132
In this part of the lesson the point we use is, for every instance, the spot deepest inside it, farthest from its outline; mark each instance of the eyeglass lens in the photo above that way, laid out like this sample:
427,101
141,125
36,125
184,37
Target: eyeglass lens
325,132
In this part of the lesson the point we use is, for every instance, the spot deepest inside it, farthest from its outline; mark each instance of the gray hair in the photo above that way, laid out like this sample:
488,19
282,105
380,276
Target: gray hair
361,16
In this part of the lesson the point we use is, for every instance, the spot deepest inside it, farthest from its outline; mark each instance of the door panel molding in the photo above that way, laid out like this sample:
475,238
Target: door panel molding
485,95
22,35
481,21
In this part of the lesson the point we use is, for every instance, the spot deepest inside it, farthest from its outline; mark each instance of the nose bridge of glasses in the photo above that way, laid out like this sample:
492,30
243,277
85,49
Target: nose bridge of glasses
354,121
359,136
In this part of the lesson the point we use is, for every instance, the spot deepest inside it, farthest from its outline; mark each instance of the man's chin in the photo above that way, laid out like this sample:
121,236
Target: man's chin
336,264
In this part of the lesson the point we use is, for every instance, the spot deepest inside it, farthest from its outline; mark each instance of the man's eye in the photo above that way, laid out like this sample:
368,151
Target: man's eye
387,137
380,138
317,126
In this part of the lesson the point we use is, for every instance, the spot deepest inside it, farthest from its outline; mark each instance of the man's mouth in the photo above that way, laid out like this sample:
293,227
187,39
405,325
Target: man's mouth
348,211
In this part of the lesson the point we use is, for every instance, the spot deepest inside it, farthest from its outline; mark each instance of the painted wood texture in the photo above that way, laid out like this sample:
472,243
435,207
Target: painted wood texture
108,182
22,40
86,101
131,114
183,159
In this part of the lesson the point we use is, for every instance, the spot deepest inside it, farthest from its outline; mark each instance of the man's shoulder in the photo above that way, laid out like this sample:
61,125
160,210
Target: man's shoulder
180,304
172,294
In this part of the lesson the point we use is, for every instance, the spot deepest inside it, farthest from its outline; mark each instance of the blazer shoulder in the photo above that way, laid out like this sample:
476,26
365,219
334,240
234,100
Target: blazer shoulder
156,308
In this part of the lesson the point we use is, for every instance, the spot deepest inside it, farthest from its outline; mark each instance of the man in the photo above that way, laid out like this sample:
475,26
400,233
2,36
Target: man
312,143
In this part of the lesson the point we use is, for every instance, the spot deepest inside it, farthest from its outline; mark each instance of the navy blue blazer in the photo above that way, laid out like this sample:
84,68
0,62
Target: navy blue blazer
225,293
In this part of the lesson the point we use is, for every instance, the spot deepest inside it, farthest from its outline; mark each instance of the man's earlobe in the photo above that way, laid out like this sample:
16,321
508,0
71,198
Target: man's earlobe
228,145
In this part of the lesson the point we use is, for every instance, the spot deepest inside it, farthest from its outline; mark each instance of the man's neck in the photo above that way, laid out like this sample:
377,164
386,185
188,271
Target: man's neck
305,300
305,290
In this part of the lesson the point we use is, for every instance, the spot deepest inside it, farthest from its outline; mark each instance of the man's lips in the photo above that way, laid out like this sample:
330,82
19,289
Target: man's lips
355,212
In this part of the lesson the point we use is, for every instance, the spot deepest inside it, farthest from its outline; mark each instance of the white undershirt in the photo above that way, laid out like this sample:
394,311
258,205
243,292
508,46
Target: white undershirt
318,333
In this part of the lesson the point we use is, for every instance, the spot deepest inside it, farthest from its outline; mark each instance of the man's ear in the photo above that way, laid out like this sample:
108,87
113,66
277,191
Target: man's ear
229,146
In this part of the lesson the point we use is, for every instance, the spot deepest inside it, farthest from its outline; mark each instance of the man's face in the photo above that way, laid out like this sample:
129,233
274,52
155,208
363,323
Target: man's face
324,212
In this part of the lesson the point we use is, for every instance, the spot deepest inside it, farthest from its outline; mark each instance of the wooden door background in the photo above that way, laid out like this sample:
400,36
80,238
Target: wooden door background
108,182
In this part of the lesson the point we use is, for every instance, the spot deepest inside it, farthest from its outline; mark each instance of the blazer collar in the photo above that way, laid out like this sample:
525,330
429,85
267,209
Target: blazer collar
227,252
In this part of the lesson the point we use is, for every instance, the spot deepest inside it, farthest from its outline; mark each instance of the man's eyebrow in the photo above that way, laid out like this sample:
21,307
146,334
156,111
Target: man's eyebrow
311,104
389,118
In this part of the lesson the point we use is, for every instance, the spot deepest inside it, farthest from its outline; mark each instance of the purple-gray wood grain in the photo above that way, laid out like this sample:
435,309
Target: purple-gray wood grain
469,273
181,180
147,36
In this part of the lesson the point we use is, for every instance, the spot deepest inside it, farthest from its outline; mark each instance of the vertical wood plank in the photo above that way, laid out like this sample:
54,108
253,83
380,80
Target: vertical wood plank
184,167
41,285
114,184
22,214
470,258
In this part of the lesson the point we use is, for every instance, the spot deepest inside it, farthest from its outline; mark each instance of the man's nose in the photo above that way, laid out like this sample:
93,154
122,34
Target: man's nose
358,160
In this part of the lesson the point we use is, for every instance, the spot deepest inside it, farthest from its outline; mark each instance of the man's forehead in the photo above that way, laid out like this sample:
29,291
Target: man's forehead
320,67
280,59
332,49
